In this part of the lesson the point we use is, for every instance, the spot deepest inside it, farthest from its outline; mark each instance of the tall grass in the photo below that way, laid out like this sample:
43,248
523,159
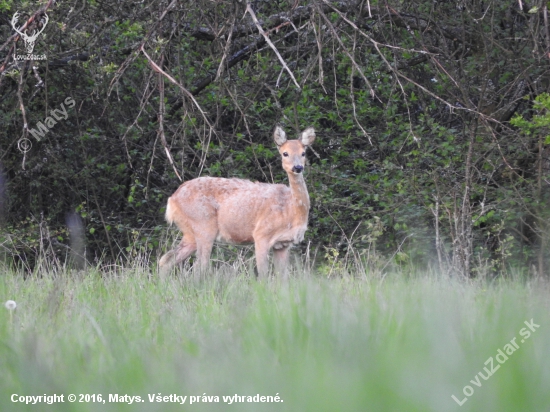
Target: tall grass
350,343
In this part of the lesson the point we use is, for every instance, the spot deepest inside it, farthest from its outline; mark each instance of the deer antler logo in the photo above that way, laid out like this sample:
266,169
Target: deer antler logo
29,39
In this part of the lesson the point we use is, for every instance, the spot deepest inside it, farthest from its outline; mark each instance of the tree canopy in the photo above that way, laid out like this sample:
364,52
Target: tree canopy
431,120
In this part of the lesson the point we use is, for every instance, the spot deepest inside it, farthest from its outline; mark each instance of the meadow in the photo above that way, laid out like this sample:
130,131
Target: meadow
400,342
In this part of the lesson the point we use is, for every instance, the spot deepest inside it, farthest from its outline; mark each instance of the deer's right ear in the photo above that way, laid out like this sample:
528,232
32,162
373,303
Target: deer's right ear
308,136
279,136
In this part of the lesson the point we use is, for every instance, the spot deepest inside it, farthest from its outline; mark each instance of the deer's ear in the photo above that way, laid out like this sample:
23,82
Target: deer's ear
307,137
279,136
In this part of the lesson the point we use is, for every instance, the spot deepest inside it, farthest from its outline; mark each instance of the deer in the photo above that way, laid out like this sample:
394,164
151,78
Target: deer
209,210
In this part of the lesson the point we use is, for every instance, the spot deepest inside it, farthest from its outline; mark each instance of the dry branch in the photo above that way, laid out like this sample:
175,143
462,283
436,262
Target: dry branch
266,37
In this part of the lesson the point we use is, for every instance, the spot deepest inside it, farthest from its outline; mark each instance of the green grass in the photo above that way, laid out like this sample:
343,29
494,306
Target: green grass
344,344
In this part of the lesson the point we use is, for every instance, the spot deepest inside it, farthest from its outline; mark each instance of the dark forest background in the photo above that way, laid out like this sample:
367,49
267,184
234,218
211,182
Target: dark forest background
431,117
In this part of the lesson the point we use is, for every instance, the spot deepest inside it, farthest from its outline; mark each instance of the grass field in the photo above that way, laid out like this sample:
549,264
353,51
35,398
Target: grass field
398,343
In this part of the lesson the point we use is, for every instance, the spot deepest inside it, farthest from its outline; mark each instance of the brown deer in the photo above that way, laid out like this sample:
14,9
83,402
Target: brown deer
240,212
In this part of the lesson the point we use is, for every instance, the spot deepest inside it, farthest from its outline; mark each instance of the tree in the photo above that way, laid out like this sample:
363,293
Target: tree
412,101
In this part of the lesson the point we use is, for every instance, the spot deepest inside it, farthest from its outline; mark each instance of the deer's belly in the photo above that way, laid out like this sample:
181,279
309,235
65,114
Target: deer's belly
278,239
234,238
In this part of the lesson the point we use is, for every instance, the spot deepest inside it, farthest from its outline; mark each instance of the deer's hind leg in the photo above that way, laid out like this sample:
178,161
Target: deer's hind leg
205,237
175,256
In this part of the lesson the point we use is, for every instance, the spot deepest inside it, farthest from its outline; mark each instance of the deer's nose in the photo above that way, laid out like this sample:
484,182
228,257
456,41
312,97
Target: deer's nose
298,169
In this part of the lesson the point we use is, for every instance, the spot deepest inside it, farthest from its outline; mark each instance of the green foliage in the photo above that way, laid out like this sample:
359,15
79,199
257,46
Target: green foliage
6,5
409,117
540,122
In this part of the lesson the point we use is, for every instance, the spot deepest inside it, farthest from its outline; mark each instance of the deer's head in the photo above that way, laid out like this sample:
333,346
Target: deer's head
293,152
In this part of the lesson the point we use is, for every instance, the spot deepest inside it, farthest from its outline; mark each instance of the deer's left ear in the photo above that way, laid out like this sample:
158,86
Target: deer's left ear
307,137
279,136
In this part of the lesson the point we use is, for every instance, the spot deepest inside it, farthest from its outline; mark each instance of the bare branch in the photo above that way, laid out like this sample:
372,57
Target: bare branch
186,92
161,125
262,32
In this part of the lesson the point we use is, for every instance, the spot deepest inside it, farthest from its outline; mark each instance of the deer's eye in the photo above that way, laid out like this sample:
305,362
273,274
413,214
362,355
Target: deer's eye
303,154
285,154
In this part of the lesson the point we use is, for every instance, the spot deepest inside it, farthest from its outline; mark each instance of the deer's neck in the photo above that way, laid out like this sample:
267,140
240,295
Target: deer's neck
300,196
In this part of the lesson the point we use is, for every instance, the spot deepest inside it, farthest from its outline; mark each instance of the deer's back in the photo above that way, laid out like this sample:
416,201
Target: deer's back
237,207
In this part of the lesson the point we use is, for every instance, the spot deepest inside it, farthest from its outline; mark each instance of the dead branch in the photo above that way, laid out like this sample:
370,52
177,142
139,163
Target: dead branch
266,37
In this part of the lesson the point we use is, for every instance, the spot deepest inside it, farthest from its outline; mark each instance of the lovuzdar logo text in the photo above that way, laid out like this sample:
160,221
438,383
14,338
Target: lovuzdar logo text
30,37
